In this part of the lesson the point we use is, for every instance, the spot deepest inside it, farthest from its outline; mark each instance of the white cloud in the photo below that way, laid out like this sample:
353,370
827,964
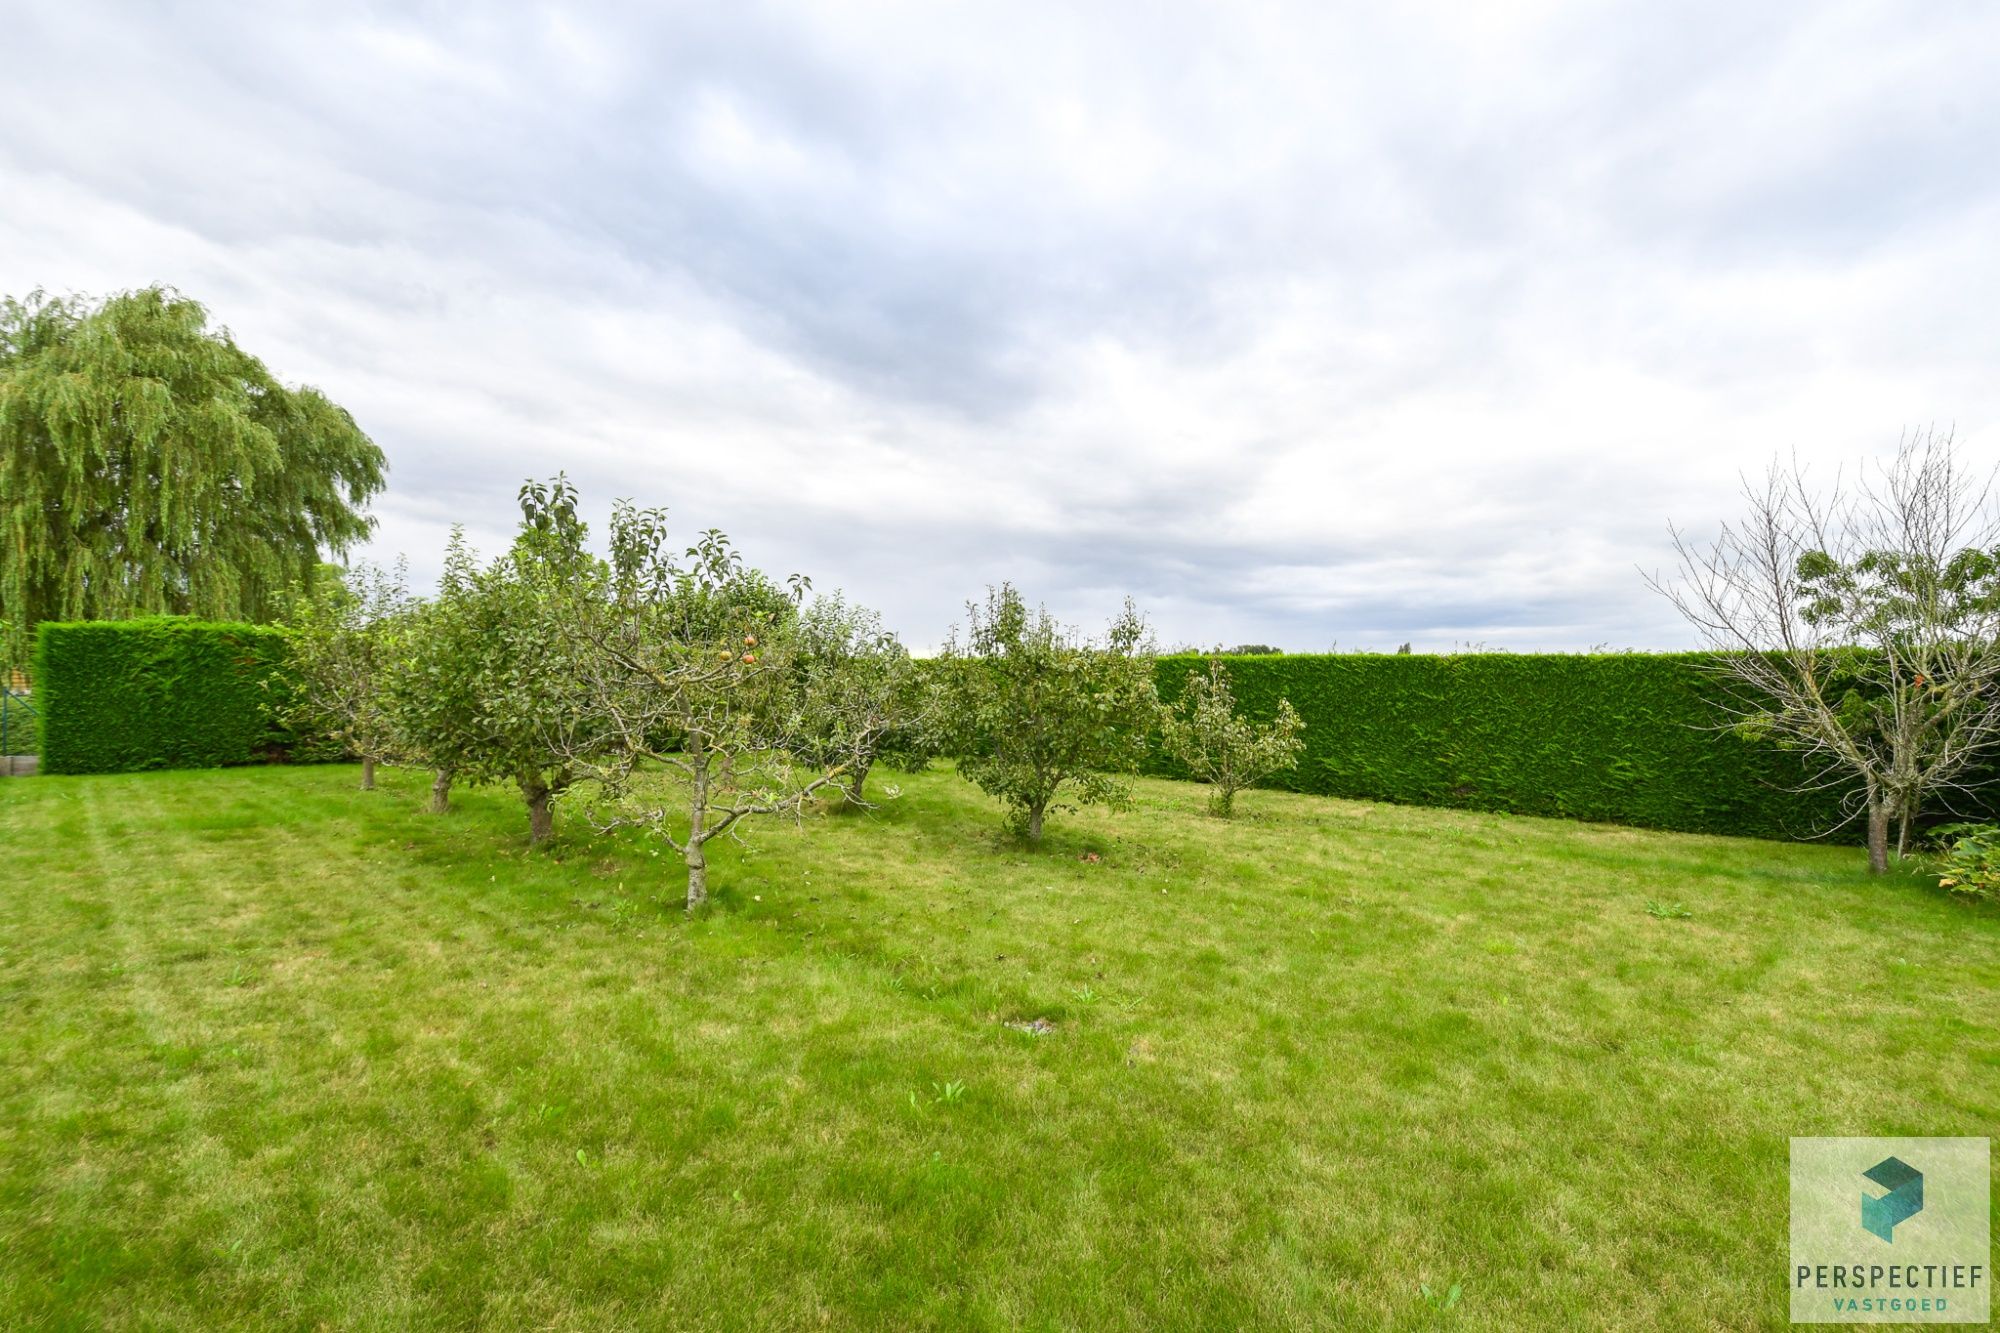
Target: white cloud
1300,323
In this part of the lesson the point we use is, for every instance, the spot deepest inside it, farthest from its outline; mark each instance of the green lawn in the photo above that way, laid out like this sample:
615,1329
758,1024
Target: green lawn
275,1052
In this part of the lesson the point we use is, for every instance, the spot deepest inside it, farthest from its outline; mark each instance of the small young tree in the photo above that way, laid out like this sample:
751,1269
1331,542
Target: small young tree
1033,713
860,696
481,687
435,677
1221,746
344,630
533,722
688,672
1860,627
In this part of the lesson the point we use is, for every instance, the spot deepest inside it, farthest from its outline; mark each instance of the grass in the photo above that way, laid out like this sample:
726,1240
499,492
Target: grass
275,1052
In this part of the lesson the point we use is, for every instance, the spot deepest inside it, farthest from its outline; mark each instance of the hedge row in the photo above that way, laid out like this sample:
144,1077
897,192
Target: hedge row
161,692
1625,738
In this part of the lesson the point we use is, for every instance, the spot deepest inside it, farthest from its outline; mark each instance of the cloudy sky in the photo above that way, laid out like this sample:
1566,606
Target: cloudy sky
1301,324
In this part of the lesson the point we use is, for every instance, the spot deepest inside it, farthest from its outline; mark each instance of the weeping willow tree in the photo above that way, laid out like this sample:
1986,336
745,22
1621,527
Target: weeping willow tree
148,464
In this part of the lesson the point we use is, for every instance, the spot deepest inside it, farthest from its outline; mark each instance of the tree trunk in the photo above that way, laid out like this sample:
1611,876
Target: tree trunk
541,822
857,782
1878,835
1034,823
697,864
1222,802
695,856
441,792
1903,834
367,772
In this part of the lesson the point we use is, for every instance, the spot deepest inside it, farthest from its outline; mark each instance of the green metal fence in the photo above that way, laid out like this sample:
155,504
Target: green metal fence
18,732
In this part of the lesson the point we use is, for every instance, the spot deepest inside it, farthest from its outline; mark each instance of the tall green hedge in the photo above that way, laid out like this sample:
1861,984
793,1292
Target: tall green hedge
1626,738
162,692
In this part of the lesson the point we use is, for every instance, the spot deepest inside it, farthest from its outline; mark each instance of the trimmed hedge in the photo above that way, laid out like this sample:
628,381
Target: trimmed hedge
160,692
1623,738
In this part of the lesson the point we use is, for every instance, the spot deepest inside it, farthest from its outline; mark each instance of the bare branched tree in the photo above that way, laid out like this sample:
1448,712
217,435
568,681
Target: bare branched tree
1859,625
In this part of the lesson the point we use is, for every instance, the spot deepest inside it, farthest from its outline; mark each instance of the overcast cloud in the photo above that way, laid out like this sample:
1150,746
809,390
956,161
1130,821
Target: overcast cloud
1300,324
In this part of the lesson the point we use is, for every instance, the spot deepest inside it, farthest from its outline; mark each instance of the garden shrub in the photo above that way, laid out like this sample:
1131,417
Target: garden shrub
161,692
1970,864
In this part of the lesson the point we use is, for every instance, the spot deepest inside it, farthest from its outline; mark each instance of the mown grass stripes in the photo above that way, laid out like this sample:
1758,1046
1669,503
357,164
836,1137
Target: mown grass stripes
274,1051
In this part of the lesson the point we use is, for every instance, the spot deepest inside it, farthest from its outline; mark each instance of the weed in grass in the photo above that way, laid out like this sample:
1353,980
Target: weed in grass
1663,911
942,1094
1441,1301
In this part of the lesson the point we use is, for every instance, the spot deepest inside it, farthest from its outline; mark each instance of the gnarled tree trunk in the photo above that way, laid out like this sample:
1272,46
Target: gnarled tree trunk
857,781
441,791
541,820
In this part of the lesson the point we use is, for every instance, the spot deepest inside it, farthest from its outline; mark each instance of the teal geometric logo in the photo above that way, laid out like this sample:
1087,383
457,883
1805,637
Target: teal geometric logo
1904,1200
